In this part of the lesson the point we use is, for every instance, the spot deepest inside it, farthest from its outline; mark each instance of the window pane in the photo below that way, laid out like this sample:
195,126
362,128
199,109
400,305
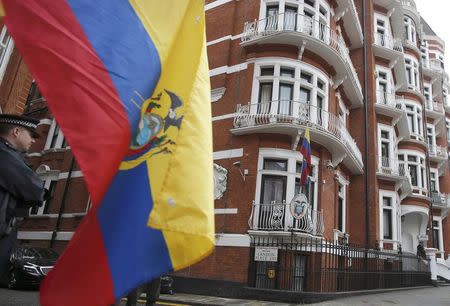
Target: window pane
266,71
274,164
340,214
306,77
287,72
387,201
273,189
387,224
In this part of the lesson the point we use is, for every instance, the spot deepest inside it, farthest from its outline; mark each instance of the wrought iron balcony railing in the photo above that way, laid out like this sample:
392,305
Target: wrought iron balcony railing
388,42
277,217
437,151
306,25
441,200
390,166
390,99
296,113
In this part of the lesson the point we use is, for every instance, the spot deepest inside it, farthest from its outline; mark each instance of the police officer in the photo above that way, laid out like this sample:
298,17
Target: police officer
20,187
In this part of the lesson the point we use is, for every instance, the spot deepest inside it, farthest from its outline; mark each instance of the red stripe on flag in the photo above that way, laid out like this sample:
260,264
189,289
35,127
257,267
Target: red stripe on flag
77,86
87,285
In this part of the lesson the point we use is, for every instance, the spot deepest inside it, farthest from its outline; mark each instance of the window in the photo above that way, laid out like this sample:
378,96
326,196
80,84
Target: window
427,95
280,175
55,138
412,73
424,54
341,208
431,139
434,183
387,218
384,86
307,16
289,88
388,215
50,184
410,30
6,48
447,126
437,233
386,142
415,162
414,116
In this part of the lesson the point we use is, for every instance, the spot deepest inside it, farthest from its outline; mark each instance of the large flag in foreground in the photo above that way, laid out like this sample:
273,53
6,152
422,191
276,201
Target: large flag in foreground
127,81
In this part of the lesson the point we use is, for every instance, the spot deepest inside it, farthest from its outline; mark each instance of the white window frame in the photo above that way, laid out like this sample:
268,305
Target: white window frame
447,126
342,182
387,40
51,132
441,238
435,172
411,31
395,215
392,141
416,113
421,169
389,82
301,7
412,72
292,157
424,53
431,131
297,82
6,55
428,94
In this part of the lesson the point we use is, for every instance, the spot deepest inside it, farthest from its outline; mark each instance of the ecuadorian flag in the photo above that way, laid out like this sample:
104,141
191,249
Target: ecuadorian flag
127,81
305,149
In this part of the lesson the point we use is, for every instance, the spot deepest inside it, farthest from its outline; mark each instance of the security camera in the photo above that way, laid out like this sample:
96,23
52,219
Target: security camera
237,164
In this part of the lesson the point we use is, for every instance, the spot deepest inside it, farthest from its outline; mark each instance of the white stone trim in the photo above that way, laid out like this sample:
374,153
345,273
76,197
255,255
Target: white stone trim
223,117
44,235
217,94
227,69
225,211
233,240
406,209
395,213
233,153
216,4
224,38
74,174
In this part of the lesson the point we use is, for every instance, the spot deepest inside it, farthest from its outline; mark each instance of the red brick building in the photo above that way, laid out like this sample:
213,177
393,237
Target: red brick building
374,97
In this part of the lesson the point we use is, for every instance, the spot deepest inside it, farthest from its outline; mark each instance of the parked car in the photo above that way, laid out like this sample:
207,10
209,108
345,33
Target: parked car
29,265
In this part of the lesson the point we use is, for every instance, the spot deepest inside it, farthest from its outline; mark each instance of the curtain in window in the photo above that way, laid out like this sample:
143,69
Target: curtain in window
272,18
265,97
290,18
284,106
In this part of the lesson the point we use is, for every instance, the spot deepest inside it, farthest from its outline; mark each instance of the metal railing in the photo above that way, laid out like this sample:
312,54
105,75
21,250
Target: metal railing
390,166
277,217
294,22
435,106
437,151
433,64
317,265
296,113
389,42
390,99
440,199
409,3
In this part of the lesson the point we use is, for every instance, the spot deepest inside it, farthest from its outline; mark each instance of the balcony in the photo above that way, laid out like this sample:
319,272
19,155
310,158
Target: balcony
392,170
346,11
434,109
386,46
303,31
432,68
439,155
292,117
440,200
390,104
277,217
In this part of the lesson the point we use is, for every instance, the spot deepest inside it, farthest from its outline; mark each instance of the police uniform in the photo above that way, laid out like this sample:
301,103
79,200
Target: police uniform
20,188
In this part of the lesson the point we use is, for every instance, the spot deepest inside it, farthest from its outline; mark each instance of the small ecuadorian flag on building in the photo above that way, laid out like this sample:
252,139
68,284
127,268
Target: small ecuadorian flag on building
305,150
128,82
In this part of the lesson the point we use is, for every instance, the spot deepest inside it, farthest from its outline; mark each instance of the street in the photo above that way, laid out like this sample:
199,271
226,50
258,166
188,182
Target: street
439,296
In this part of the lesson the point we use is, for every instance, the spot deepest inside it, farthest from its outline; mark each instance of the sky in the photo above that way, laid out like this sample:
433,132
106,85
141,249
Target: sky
436,13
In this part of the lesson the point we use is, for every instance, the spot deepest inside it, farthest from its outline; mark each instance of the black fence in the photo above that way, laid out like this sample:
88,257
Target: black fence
323,266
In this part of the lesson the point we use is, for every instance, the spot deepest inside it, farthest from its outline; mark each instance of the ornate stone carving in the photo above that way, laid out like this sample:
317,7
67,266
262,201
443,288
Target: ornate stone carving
220,181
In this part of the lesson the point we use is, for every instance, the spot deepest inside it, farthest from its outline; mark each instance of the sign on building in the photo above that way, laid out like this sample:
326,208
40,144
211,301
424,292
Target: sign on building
266,254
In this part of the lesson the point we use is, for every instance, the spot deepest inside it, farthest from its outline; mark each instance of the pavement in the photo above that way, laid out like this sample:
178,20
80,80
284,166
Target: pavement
430,296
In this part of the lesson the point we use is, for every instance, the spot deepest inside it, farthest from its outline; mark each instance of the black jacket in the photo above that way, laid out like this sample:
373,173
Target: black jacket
20,187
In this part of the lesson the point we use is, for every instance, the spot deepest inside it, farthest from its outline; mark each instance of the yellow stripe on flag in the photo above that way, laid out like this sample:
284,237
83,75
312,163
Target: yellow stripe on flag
182,181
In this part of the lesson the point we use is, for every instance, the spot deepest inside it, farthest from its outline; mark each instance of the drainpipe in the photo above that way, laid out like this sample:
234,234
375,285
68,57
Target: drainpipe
63,202
366,125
